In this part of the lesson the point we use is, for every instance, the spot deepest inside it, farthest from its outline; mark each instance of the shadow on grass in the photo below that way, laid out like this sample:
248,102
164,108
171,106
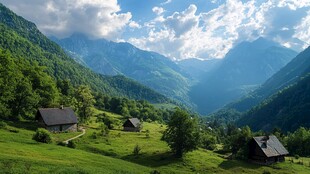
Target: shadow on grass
230,164
99,151
28,125
156,159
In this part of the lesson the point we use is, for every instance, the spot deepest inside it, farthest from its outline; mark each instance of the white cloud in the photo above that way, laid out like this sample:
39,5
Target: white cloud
96,18
133,24
158,10
212,34
294,4
166,2
183,22
302,30
187,34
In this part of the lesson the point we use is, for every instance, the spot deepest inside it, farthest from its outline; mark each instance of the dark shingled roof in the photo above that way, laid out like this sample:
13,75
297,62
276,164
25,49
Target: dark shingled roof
273,147
134,121
57,116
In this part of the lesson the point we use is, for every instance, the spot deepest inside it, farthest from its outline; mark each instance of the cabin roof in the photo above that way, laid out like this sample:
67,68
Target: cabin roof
270,146
134,121
57,116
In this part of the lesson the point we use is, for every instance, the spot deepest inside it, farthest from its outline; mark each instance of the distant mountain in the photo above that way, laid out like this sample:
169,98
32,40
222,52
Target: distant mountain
242,70
110,58
288,109
23,39
196,68
298,67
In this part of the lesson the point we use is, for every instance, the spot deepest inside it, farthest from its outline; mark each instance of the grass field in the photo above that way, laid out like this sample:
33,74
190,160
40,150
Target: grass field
114,154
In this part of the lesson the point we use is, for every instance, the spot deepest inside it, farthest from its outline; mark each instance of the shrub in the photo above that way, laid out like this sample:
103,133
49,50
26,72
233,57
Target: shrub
136,150
155,172
72,144
296,156
104,130
42,135
266,172
94,135
61,143
3,125
14,130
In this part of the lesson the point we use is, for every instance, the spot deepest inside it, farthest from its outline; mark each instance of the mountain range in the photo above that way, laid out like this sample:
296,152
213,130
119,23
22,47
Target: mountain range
24,40
243,69
261,79
111,58
283,101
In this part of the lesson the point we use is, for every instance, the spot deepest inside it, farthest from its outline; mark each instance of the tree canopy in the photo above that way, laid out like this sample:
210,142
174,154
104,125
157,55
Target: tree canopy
182,134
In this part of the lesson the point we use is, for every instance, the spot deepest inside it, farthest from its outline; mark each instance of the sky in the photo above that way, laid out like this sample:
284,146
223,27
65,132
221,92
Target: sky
178,29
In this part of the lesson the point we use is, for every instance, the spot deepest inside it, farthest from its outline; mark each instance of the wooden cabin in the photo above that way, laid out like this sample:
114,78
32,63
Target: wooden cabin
57,119
266,150
132,125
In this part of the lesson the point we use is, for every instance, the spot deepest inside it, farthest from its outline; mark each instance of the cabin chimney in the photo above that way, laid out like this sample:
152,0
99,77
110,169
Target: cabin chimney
61,106
265,139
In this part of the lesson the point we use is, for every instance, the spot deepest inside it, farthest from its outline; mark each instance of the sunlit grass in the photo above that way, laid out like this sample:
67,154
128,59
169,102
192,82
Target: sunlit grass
114,154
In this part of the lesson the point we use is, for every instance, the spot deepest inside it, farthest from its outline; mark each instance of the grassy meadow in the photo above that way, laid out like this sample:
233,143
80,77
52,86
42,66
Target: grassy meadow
114,153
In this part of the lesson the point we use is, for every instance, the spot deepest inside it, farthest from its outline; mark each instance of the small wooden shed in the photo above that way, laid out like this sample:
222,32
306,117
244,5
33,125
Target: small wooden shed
57,119
266,150
132,125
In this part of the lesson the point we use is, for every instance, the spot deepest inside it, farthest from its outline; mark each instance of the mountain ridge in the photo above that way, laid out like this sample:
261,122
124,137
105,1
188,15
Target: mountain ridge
242,70
149,68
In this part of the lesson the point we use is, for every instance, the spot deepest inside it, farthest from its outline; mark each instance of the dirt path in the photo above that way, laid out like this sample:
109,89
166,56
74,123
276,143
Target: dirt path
83,132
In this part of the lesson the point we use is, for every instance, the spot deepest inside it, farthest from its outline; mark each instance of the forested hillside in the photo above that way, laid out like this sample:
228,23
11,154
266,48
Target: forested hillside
24,40
288,109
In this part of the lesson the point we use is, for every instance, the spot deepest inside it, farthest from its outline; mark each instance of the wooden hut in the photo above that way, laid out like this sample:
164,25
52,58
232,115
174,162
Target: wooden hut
57,119
132,125
266,150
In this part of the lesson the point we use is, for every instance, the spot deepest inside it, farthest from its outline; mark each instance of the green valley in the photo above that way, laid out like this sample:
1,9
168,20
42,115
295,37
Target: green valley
114,154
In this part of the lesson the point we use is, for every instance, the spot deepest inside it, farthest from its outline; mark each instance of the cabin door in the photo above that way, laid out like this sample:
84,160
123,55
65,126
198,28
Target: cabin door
60,128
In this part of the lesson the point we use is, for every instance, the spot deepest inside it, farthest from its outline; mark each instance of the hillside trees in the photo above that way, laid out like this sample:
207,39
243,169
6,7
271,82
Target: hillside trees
237,141
298,143
23,88
85,101
182,134
131,108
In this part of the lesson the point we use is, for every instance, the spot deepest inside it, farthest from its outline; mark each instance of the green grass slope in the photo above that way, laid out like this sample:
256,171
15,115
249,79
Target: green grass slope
20,154
114,154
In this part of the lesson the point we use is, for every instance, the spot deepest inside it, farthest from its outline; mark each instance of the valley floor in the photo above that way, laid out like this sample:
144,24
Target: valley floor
114,154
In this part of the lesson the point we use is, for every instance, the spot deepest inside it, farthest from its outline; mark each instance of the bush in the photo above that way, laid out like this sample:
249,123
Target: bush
3,125
72,144
104,130
296,156
94,135
136,150
266,172
61,143
42,135
155,172
14,130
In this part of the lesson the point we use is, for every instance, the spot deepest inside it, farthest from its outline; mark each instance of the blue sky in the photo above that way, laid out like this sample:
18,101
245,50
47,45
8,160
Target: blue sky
178,29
